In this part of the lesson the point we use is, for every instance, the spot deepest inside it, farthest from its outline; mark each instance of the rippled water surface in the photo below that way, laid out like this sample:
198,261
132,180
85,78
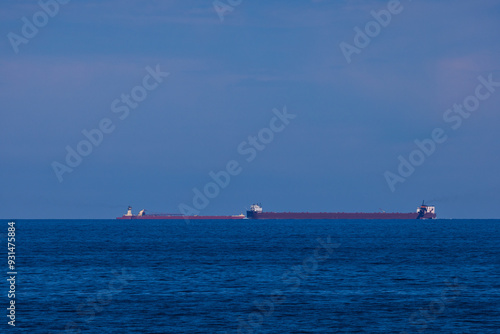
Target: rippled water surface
280,276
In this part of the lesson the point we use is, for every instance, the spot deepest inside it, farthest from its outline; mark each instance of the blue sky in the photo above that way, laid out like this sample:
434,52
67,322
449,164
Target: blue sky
353,120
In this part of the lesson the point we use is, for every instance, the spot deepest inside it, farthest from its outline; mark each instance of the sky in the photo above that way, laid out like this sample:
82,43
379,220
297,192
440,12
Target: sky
186,106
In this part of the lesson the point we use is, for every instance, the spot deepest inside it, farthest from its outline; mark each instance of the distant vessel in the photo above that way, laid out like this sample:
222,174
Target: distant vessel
256,212
142,215
423,212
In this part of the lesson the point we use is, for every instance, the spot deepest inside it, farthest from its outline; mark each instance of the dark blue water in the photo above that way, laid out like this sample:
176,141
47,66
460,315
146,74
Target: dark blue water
109,276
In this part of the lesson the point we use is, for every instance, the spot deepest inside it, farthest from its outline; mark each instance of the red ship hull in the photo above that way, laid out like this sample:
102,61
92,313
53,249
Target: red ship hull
423,212
255,212
336,215
178,217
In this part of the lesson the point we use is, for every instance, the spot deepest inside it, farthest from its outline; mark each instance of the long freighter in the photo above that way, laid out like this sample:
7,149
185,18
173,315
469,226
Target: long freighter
423,212
256,212
142,215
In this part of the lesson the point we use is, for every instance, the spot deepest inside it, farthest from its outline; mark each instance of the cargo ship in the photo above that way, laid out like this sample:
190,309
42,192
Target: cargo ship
423,212
142,215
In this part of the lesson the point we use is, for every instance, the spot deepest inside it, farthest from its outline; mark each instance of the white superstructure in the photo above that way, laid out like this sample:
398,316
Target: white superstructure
427,208
255,208
129,212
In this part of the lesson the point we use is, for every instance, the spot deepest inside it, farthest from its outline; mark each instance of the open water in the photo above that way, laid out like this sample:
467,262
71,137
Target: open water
278,276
